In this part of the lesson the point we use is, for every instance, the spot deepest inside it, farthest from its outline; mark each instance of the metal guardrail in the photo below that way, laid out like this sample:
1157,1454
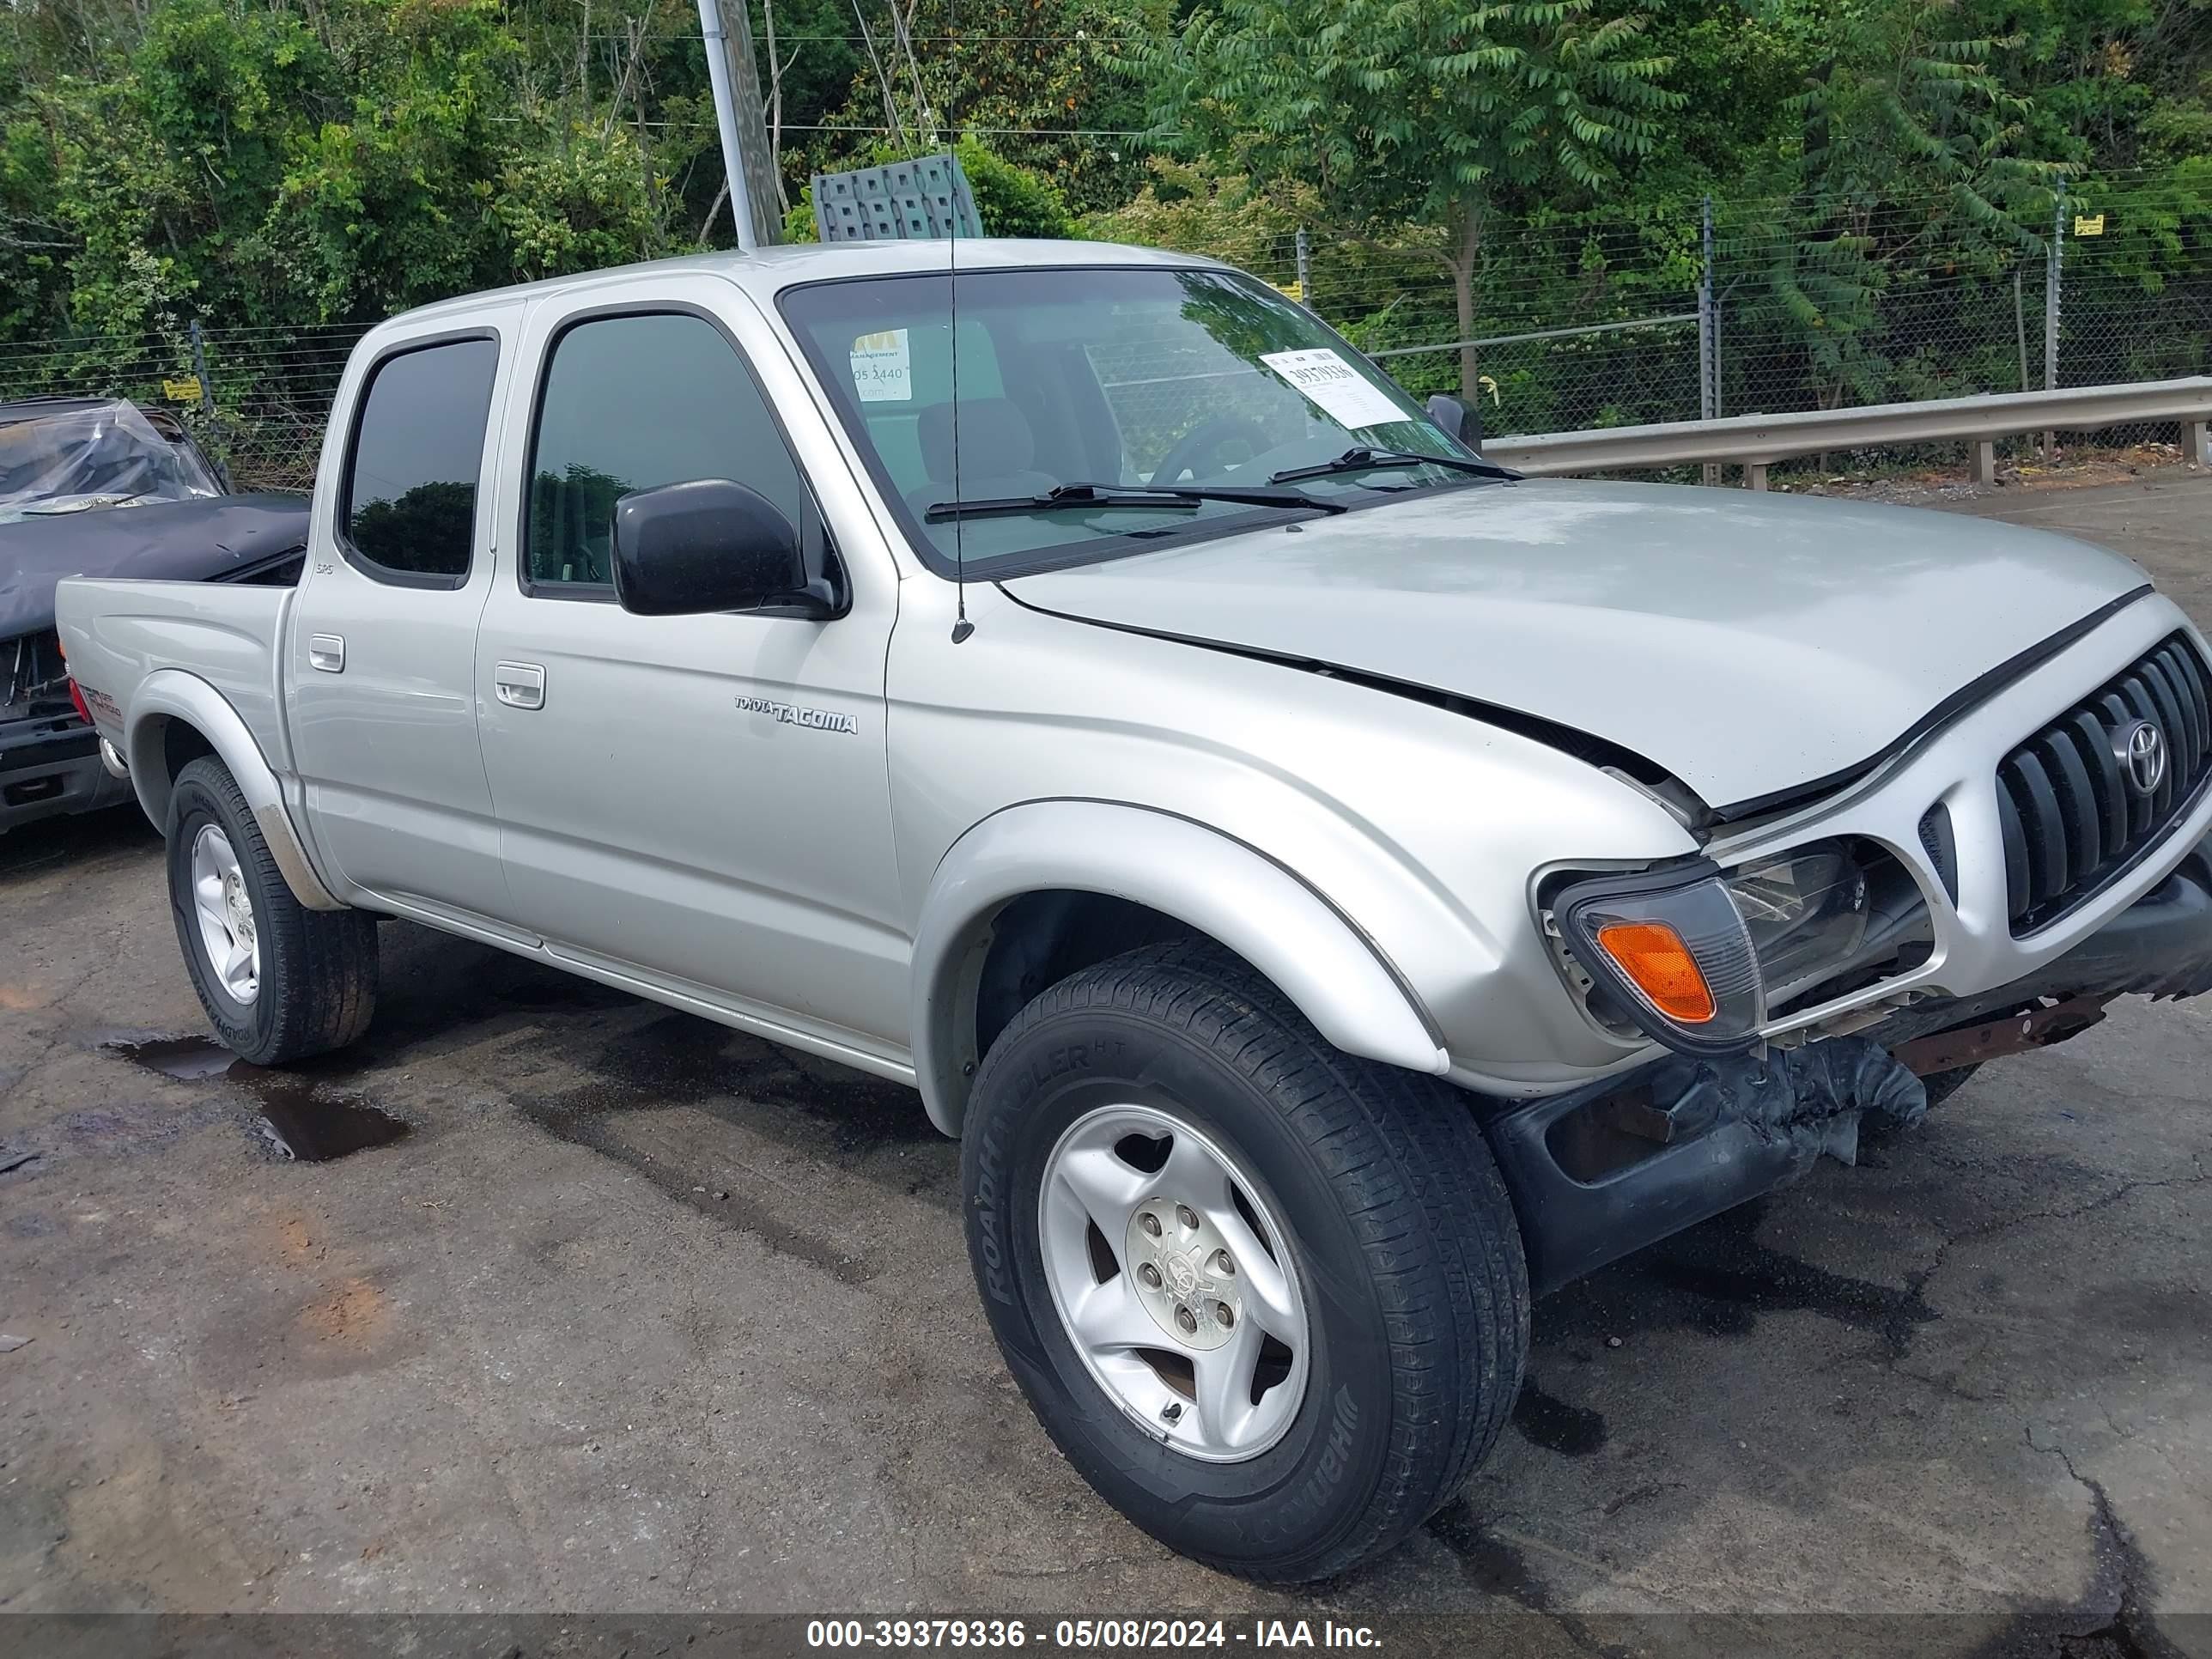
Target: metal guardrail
1756,441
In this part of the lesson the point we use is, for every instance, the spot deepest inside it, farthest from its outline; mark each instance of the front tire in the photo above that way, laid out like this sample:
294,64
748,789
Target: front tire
1268,1298
279,981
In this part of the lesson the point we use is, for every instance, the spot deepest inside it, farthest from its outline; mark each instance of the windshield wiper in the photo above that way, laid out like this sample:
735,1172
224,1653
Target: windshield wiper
1103,496
1363,460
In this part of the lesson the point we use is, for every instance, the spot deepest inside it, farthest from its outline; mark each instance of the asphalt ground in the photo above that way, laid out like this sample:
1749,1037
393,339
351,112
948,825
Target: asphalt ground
637,1314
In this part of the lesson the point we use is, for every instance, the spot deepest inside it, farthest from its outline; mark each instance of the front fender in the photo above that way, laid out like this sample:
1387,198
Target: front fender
1235,895
171,694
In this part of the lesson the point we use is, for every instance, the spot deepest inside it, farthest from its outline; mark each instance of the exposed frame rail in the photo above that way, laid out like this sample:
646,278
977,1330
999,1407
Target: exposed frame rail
1756,442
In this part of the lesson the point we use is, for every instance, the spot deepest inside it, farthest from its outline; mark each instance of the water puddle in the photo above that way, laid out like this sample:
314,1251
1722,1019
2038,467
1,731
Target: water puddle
314,1127
187,1059
302,1117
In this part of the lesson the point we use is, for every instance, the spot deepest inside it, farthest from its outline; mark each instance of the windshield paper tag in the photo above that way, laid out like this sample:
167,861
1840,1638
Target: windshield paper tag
882,372
1345,395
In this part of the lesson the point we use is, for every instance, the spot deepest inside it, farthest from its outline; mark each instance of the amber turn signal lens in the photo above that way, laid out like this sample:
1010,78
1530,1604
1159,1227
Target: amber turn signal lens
1660,965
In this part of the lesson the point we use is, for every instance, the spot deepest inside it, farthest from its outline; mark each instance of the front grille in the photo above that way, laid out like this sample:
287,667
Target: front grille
2071,817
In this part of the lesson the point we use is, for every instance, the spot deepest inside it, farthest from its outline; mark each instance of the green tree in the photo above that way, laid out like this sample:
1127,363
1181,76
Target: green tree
1028,77
1194,206
1898,102
1420,112
34,244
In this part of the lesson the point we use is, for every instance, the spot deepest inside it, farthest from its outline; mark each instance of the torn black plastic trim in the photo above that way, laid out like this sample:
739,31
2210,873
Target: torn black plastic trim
1714,1133
1586,746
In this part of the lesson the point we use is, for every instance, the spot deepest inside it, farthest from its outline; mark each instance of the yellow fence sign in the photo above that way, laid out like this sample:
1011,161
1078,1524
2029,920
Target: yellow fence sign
182,392
2085,226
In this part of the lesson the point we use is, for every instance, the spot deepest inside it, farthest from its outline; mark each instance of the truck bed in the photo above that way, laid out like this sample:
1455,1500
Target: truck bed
118,633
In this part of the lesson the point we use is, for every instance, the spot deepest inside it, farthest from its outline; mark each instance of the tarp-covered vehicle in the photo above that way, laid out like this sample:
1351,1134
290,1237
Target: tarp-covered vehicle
99,487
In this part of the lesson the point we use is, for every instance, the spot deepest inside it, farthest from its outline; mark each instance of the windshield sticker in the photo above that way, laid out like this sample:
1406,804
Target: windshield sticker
882,371
1345,395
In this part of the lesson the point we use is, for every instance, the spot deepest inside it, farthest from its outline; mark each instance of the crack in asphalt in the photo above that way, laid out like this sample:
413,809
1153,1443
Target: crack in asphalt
2120,1579
1915,1282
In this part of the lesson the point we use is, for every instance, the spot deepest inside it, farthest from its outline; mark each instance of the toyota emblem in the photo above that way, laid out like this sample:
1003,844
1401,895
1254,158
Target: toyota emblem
2140,751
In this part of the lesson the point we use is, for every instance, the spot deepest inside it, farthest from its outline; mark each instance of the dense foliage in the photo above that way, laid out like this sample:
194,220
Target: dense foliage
270,164
1421,115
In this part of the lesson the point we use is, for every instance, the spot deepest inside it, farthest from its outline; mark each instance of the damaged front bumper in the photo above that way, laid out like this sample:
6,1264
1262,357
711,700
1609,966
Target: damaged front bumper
1602,1172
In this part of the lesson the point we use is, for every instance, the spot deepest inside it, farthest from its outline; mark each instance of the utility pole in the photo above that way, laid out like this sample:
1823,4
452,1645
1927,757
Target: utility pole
743,122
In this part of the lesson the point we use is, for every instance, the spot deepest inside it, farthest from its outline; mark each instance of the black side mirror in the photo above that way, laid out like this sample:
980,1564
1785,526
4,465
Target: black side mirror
1459,418
687,549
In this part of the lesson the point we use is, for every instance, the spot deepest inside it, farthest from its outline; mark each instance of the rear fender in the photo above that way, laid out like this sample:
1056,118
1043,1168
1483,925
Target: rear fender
170,694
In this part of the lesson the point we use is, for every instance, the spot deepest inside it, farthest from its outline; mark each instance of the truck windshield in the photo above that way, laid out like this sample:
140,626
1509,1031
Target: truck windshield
1114,378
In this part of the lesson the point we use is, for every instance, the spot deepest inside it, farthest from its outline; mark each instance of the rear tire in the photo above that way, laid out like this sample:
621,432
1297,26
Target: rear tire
279,981
1370,1210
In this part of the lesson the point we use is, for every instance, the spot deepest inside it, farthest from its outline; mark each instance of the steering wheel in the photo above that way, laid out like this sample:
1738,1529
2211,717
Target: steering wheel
1202,440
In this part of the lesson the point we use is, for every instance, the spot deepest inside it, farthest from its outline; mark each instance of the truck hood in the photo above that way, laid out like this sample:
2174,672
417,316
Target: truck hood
1750,644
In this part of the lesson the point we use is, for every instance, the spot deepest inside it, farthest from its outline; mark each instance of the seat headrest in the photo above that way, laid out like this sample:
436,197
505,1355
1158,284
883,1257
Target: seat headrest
995,438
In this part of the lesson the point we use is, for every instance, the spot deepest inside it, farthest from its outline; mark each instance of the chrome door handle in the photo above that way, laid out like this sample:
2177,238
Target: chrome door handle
519,684
327,652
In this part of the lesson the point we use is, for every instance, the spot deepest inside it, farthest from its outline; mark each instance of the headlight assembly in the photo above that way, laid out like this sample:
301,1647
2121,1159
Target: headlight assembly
1701,957
1806,911
1674,951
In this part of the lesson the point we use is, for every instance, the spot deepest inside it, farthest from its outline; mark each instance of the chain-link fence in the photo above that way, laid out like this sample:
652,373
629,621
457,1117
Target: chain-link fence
1738,308
257,399
1709,308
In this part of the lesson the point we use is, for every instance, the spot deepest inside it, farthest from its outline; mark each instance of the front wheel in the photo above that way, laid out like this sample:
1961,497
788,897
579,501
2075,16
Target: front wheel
279,981
1268,1299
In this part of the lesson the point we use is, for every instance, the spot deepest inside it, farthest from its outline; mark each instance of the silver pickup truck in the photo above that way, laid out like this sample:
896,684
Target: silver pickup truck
1334,888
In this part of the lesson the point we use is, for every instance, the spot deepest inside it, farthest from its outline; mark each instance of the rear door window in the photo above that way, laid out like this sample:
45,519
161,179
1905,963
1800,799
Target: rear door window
410,487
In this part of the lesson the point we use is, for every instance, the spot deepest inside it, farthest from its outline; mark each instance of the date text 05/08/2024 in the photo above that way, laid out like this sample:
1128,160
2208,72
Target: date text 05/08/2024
1086,1634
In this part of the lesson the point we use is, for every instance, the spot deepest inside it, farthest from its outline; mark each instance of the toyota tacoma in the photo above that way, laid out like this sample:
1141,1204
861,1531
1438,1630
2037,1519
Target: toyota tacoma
1334,888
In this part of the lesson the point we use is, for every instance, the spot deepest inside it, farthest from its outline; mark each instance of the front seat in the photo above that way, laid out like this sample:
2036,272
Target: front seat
997,450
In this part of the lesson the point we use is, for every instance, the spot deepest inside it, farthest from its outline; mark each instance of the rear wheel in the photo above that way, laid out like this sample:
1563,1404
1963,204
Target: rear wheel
1268,1299
279,981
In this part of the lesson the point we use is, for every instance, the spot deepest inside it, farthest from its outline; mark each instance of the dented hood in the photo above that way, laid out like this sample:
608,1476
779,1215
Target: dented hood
1748,643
